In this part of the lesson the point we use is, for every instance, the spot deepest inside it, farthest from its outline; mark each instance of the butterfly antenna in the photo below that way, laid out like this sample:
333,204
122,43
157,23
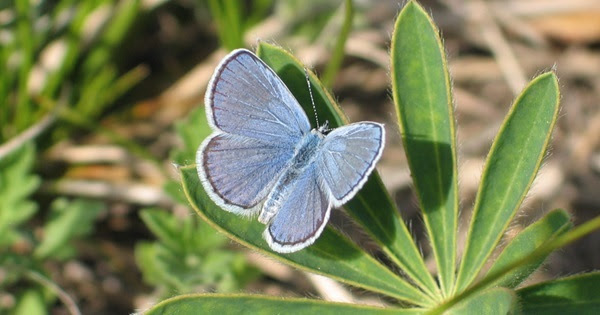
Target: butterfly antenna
312,100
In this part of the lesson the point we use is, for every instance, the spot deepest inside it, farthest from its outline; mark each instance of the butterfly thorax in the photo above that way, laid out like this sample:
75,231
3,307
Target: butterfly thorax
304,155
306,149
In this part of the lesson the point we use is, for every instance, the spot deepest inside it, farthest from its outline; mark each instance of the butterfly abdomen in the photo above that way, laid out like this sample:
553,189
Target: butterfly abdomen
304,155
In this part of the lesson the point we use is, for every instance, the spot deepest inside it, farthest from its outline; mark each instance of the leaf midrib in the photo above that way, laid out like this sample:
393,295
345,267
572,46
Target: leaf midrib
385,284
393,253
483,256
434,139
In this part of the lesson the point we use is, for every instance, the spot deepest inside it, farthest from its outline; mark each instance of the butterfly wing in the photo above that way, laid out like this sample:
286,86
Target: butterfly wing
245,97
257,125
238,172
348,156
302,216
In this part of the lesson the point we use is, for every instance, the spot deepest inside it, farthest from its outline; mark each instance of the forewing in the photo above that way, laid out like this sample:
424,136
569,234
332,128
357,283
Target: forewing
245,97
302,216
348,155
239,172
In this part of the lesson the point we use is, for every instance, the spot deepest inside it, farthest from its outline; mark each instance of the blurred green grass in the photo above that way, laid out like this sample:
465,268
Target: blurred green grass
61,53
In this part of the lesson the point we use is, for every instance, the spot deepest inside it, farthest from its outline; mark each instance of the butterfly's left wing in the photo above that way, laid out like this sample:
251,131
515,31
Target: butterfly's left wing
302,216
347,157
237,172
257,124
245,97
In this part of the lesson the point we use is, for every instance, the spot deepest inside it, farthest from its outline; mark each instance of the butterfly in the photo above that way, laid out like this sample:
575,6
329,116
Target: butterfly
263,157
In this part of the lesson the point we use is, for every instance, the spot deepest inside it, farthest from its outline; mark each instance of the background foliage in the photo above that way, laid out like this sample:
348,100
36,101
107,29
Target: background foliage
93,217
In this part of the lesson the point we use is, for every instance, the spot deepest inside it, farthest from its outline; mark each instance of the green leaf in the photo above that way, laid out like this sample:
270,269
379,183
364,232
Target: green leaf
228,16
256,304
372,207
30,302
332,254
531,238
291,71
113,33
26,49
164,226
511,166
191,131
182,234
337,56
544,250
173,189
145,258
167,269
69,219
498,301
188,255
72,55
572,295
421,89
17,183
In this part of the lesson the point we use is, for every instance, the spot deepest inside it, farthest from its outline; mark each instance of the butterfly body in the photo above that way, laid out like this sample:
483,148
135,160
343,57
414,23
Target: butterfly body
304,155
264,158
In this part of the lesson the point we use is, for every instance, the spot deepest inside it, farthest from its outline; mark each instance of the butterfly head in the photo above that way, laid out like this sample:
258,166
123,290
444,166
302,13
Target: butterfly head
324,129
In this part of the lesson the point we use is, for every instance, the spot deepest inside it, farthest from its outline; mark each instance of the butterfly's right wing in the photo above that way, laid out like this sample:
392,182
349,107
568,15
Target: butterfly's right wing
245,97
347,157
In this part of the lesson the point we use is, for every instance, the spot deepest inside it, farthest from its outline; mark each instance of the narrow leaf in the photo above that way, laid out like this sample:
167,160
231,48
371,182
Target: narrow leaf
511,166
146,259
17,183
30,302
531,238
164,226
421,90
70,219
333,66
572,295
256,304
498,301
332,255
191,131
372,207
542,251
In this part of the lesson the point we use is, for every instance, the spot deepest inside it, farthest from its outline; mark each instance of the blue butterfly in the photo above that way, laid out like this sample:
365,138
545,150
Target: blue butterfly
263,158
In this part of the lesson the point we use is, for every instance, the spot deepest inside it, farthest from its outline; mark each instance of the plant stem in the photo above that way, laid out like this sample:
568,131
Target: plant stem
551,245
62,295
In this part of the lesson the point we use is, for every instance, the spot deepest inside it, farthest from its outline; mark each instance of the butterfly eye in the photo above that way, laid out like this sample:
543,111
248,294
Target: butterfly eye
324,130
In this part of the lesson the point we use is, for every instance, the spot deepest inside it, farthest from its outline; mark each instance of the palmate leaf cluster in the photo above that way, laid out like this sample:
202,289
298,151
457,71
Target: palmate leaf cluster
23,253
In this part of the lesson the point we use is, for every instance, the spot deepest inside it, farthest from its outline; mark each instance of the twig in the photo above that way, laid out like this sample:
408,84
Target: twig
547,7
517,26
358,47
480,13
72,117
30,133
133,193
329,289
62,295
88,154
